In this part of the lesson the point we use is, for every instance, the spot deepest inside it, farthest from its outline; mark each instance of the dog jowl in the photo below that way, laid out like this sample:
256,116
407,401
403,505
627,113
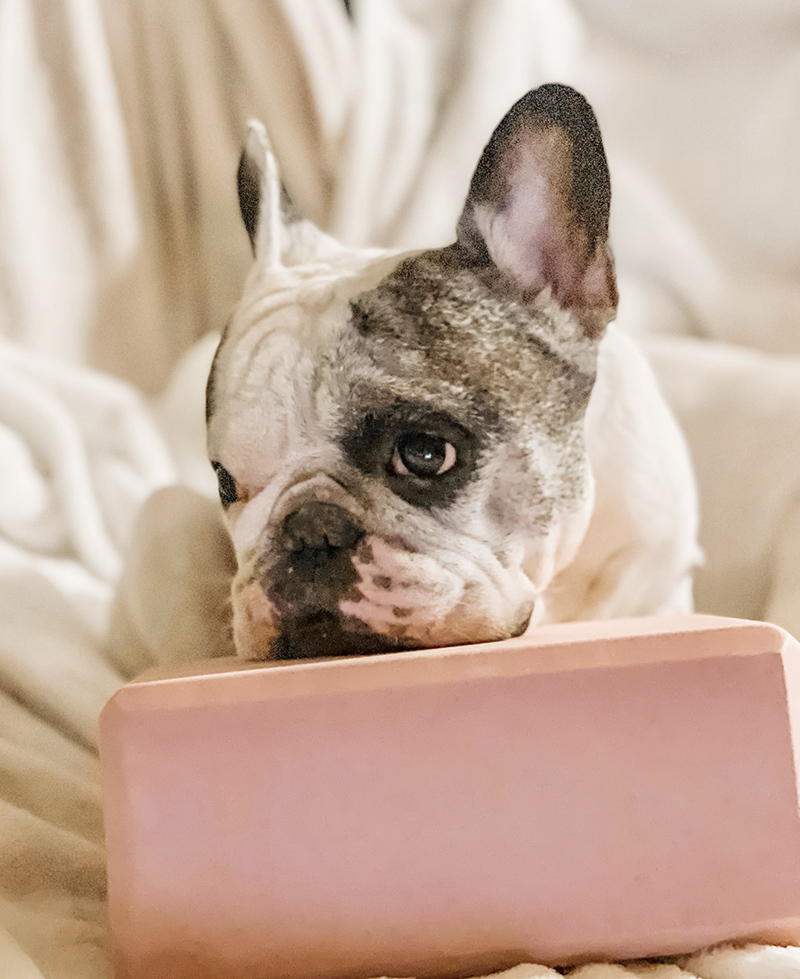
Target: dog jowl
399,439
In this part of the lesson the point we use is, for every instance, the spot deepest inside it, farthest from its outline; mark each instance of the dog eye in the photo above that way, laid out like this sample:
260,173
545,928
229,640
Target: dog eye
421,455
227,485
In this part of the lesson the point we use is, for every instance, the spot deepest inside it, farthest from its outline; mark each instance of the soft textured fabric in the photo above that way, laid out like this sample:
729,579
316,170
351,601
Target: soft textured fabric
121,247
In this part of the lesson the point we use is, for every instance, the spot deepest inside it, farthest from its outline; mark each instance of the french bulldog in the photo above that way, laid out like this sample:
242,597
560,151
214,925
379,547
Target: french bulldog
452,445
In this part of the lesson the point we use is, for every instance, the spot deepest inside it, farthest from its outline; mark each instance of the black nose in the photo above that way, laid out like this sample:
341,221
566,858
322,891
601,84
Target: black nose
317,537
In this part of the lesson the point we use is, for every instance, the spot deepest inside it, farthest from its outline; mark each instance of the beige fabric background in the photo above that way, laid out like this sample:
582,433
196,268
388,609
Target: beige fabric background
121,245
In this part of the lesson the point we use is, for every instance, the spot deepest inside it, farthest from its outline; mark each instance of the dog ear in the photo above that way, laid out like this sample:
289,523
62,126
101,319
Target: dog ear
278,234
538,205
260,194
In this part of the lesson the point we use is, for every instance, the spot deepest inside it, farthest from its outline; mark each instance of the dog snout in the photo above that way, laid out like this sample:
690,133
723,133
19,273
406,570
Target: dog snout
317,536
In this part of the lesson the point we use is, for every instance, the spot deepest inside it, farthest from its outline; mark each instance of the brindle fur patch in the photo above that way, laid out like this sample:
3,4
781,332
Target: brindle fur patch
474,347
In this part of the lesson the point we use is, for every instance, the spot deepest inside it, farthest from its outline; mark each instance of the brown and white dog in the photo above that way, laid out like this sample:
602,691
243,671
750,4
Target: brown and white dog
446,446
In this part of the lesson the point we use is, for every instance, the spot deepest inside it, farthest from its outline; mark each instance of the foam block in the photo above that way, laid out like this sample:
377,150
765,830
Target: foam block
615,789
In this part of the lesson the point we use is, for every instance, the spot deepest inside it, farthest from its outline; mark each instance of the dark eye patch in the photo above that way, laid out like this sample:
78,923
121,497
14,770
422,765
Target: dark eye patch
371,444
228,493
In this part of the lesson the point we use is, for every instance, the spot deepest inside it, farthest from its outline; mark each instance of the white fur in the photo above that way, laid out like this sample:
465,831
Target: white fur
640,549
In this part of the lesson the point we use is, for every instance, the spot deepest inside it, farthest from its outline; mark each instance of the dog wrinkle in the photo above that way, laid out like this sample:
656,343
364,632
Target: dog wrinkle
443,606
364,552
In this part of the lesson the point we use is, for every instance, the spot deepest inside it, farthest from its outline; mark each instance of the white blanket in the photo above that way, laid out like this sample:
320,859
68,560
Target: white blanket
120,246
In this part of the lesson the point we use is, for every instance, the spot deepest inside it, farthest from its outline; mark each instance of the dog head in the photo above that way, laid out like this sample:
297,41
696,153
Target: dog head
399,438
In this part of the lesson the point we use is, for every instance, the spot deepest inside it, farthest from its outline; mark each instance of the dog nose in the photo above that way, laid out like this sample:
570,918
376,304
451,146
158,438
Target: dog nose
316,535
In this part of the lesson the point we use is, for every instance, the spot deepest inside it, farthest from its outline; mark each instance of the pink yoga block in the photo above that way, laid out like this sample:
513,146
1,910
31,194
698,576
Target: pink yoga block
614,790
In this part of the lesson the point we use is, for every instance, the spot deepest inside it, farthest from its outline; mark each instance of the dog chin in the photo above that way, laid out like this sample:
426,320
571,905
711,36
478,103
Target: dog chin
323,634
327,634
